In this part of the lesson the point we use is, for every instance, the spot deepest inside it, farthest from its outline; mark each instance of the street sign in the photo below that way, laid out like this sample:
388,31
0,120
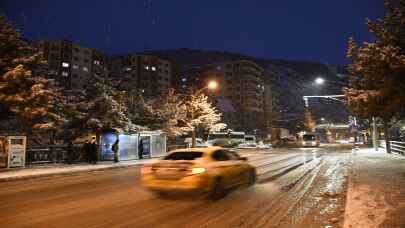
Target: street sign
16,151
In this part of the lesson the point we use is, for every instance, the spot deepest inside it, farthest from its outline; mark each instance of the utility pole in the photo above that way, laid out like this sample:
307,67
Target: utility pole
375,144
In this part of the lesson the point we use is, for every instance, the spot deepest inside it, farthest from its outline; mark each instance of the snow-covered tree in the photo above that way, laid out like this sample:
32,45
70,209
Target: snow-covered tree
98,108
178,114
24,96
309,122
141,111
171,111
201,114
377,86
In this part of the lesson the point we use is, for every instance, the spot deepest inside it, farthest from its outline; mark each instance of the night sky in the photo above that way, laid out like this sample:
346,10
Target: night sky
313,30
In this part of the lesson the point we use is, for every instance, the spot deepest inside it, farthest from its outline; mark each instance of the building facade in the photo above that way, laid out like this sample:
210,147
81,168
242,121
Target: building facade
72,65
240,95
148,74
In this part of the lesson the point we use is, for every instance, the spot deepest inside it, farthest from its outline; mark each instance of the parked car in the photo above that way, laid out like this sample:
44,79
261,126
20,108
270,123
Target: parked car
198,142
262,145
212,170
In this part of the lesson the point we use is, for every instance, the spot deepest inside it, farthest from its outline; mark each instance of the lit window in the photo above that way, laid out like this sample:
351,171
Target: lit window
146,67
64,73
153,68
128,69
184,79
85,69
183,86
75,66
64,64
96,62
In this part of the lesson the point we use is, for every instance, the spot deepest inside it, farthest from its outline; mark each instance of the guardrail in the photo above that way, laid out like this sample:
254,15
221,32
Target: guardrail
396,146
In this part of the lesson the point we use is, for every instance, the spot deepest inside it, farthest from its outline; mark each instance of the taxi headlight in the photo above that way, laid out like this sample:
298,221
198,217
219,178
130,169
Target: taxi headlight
314,143
194,171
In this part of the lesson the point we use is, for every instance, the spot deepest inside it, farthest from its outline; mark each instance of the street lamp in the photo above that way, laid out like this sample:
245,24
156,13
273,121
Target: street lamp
211,85
319,81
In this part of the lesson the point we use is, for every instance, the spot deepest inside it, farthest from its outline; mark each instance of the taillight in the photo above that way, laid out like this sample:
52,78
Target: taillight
146,170
197,170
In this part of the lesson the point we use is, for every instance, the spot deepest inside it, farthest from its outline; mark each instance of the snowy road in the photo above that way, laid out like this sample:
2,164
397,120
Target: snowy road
296,188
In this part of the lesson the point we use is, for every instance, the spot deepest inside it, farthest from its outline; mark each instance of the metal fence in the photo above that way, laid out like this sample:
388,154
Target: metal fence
60,153
396,146
53,154
174,147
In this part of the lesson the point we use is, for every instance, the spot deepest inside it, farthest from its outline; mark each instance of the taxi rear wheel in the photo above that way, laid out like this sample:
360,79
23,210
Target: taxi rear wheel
219,189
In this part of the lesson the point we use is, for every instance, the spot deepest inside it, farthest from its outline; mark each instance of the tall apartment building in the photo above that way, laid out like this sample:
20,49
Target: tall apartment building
150,75
188,78
240,94
72,65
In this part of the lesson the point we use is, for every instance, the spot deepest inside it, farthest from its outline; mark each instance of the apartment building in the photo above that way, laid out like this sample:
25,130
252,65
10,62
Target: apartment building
240,94
148,74
188,78
71,64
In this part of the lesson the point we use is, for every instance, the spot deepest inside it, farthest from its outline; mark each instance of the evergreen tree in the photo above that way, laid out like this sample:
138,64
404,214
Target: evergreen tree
24,96
377,87
98,108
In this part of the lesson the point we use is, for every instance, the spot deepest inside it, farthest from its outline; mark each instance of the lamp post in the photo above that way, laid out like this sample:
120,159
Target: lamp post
320,81
211,85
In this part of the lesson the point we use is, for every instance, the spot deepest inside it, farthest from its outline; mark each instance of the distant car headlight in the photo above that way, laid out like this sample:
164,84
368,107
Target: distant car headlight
146,170
313,143
197,170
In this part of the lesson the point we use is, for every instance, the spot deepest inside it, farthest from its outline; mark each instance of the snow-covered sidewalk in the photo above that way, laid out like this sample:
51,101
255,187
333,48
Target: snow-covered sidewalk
376,190
58,169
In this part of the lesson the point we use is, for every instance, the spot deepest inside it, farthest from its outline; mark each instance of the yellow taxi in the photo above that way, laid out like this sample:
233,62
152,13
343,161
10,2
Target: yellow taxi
212,170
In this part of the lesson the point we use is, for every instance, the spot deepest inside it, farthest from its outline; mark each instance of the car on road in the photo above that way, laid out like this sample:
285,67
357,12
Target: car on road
310,140
212,171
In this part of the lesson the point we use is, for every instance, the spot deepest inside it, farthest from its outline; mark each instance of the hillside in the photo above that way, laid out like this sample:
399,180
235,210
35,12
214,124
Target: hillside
291,81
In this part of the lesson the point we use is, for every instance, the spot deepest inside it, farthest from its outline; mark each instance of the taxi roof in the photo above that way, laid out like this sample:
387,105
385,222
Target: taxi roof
208,150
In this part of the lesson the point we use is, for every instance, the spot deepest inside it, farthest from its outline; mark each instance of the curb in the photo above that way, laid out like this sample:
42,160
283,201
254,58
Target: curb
66,173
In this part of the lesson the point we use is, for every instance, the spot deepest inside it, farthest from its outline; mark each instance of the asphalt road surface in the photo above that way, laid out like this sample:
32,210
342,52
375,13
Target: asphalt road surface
296,188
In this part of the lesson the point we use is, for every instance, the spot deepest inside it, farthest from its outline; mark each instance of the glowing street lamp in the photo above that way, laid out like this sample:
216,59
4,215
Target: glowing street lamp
212,85
319,81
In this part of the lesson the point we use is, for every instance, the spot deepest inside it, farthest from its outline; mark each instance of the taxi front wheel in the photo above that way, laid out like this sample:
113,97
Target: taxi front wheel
252,177
162,195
